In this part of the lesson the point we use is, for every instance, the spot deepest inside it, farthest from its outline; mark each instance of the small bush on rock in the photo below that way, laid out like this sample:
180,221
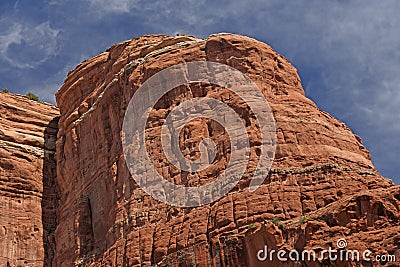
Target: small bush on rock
32,96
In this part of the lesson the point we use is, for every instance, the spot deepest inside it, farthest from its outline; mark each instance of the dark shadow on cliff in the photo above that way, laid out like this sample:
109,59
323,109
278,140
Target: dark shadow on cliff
50,191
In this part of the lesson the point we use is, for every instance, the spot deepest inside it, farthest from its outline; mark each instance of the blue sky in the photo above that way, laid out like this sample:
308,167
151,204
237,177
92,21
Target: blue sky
347,52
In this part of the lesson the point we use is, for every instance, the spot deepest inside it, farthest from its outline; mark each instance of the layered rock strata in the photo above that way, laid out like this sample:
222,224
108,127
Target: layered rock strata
321,169
28,191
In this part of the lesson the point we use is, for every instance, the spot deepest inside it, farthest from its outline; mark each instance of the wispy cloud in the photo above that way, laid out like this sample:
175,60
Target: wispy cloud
24,46
11,36
103,7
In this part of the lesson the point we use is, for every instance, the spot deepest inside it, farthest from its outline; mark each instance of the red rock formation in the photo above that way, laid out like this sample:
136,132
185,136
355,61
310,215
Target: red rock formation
367,221
28,131
321,169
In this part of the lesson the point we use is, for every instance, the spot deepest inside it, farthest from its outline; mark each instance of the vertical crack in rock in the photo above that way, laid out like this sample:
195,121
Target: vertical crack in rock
50,191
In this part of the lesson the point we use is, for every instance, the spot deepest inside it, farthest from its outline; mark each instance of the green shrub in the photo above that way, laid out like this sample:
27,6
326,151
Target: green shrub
5,90
251,226
32,96
278,223
303,219
282,226
275,220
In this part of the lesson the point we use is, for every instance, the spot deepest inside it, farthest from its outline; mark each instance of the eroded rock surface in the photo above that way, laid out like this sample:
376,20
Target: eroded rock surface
321,169
28,193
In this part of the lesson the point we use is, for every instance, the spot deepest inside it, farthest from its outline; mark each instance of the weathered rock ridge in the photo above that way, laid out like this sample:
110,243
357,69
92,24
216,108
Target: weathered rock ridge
322,185
321,169
28,193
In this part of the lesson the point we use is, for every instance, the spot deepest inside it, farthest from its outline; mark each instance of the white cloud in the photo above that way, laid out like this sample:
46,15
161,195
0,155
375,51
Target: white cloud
362,61
24,46
11,36
104,7
189,12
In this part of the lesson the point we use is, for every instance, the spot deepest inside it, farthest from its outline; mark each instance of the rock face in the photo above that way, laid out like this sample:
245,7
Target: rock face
322,173
28,193
68,199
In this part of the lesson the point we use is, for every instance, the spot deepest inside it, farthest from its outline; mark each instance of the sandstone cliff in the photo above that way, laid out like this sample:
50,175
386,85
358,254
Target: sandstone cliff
321,171
322,185
28,193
